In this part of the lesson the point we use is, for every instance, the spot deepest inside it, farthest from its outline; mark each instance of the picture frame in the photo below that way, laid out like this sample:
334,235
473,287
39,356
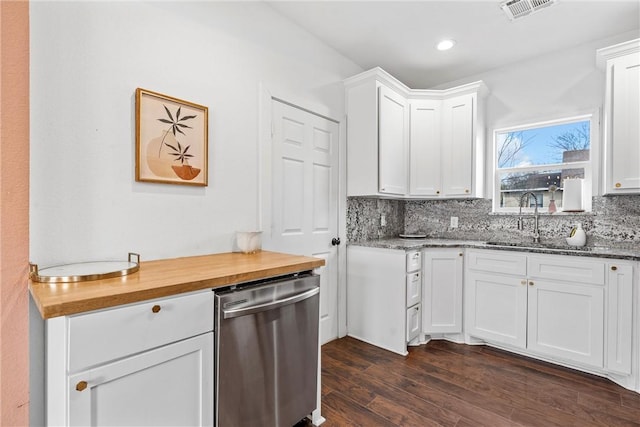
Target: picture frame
172,139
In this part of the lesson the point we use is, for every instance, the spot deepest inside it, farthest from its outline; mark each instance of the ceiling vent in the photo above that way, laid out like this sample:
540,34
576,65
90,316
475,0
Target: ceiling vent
519,8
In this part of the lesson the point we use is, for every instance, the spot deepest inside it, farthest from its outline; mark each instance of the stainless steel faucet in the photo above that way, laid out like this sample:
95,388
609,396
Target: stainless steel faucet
536,232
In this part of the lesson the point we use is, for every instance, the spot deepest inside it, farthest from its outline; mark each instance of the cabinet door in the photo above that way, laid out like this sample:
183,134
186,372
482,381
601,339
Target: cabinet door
442,302
566,321
619,318
458,146
496,308
392,125
424,148
168,386
625,124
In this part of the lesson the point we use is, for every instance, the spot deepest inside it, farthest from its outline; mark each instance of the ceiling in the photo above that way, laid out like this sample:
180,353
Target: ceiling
400,36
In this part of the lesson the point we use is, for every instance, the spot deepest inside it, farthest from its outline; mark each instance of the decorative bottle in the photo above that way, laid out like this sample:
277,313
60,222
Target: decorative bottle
577,237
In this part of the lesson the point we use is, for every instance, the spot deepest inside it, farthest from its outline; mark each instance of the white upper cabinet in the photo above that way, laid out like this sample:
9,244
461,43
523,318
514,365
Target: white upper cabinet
458,149
412,143
622,117
424,148
392,130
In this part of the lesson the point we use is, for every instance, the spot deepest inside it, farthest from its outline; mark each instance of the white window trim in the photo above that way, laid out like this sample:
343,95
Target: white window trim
591,167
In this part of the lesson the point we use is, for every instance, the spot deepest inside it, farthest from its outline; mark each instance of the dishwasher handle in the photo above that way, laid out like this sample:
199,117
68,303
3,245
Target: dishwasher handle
252,309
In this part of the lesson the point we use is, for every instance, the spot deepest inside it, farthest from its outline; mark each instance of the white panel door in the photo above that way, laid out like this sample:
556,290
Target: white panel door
305,198
424,148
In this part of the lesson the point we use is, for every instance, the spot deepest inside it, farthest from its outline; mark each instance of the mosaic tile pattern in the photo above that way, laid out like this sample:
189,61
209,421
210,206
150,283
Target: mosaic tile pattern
363,218
614,219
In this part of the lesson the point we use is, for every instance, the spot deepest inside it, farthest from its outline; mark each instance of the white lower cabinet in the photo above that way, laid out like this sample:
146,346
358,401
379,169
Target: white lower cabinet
168,386
148,363
383,296
442,271
496,308
566,321
413,322
620,321
559,307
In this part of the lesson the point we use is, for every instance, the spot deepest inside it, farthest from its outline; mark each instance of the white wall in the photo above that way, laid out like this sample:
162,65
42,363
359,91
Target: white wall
87,59
561,84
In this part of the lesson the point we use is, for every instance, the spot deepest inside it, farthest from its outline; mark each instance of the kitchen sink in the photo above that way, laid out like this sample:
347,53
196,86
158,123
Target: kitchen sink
546,246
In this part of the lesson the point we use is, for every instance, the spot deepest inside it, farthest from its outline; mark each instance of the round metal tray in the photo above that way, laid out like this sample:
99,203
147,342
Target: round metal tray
85,271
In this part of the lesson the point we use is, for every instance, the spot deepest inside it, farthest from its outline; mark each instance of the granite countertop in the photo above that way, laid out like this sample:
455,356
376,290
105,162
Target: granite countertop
162,278
626,251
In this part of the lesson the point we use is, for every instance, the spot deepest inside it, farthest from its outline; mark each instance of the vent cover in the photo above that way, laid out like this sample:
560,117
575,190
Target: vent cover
519,8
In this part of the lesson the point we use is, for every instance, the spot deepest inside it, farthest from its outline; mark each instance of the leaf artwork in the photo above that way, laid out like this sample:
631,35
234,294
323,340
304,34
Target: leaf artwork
179,153
176,127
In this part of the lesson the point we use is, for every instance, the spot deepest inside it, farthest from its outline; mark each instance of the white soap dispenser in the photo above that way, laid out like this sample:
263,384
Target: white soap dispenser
577,237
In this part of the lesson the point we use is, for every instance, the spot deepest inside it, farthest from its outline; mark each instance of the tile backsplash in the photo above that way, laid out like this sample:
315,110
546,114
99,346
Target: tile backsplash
613,219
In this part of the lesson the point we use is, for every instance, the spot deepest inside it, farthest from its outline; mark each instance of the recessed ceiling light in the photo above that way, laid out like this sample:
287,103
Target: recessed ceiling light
446,44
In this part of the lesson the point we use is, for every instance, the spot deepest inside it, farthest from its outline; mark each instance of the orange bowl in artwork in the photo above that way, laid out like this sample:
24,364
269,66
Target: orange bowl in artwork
186,172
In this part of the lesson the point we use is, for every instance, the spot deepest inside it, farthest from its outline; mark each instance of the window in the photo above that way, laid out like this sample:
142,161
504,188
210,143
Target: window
539,158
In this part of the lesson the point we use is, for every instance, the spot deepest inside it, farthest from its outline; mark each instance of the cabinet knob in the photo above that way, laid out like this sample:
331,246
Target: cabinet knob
81,385
438,192
460,254
614,268
523,282
155,308
466,190
530,283
618,185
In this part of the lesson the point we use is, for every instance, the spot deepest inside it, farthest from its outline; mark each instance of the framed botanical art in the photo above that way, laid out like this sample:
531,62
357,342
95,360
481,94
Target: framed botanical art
171,140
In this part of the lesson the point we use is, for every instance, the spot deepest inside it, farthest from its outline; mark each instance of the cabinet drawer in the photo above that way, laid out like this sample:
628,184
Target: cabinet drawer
502,262
413,322
110,334
414,288
414,261
567,269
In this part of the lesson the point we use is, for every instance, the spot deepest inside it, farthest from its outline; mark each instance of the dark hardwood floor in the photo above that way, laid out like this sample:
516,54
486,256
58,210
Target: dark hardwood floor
446,384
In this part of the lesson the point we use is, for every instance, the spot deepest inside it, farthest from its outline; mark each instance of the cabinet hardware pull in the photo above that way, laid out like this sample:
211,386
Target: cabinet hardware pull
466,190
530,283
438,192
618,185
81,385
155,308
460,254
614,268
523,282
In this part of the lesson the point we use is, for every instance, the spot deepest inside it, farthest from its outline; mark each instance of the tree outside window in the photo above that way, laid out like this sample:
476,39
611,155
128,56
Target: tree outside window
538,158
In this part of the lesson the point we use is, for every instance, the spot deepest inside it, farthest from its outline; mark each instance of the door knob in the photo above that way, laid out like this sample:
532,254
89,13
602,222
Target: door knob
335,241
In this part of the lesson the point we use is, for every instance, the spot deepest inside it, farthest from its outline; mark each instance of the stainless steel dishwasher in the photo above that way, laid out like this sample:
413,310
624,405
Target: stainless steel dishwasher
267,352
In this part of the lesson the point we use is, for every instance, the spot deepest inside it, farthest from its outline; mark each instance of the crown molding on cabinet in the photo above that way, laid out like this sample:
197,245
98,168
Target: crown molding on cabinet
388,80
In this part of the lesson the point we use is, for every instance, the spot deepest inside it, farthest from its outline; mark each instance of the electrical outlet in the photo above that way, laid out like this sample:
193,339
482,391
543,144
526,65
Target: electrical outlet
383,220
454,222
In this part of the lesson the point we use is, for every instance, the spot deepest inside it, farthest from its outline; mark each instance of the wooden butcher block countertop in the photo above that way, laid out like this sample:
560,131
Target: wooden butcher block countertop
163,278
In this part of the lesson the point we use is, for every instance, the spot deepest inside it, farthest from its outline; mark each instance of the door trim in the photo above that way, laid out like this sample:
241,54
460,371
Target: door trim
264,149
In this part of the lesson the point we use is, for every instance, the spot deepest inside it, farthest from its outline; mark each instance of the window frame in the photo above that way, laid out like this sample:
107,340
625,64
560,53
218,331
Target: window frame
591,166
